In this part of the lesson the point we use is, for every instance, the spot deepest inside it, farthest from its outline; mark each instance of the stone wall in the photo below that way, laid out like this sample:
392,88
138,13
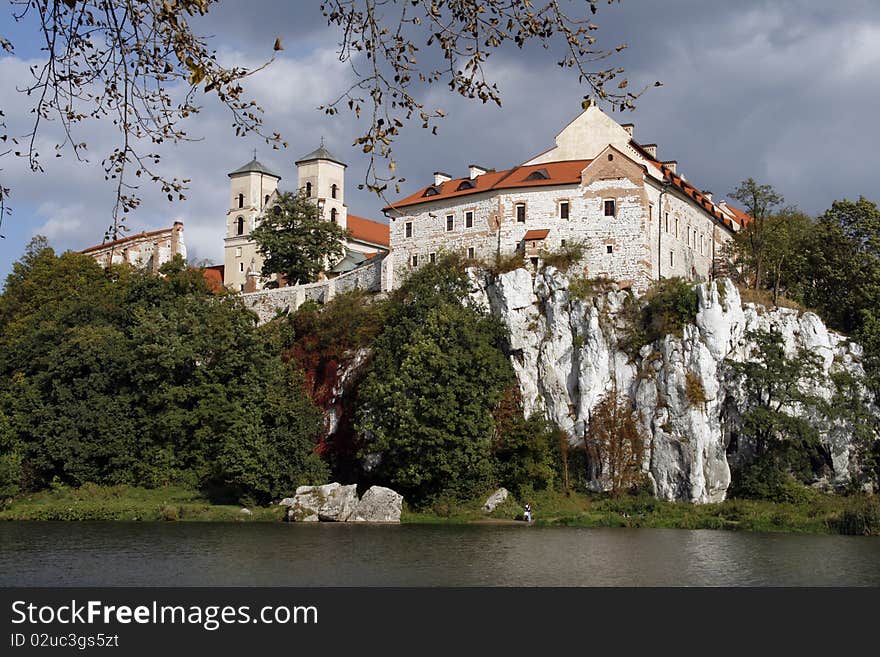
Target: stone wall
268,303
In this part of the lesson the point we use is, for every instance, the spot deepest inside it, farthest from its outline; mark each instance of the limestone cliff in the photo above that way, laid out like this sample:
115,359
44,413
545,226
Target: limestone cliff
566,355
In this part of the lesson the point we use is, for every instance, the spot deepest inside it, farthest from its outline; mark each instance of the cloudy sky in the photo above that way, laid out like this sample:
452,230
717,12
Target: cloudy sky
785,91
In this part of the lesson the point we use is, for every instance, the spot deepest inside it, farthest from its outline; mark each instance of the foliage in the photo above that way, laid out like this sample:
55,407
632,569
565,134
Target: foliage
693,389
118,62
778,393
583,288
527,452
614,443
665,309
425,405
123,377
751,244
295,242
861,517
565,256
503,263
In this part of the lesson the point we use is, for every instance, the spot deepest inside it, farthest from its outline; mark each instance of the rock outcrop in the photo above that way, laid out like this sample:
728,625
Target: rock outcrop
337,503
496,498
567,356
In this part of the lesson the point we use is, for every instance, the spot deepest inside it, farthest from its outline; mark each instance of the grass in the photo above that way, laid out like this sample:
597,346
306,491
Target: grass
765,298
91,502
817,513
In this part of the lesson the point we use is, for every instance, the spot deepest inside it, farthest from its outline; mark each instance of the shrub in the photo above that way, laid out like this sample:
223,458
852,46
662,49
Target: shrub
666,309
564,257
503,263
583,288
693,389
860,518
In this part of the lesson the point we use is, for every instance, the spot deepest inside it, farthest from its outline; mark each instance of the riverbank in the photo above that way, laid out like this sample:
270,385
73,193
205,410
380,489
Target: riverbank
815,513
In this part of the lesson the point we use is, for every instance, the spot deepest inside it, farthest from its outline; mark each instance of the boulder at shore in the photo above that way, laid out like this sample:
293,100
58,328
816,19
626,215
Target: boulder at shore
378,505
330,503
495,499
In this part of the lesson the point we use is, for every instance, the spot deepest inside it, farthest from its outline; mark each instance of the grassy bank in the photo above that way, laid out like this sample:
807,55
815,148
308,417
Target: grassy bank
816,513
128,503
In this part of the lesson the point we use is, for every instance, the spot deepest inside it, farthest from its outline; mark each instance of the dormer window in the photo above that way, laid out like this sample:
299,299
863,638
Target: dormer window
241,200
433,190
333,190
465,184
540,174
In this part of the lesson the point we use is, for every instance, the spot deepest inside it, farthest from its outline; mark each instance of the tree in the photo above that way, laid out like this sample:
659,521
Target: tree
426,401
295,241
615,445
120,61
750,244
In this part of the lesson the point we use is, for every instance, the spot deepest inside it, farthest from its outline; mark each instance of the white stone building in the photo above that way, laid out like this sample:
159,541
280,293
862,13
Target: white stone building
147,249
253,188
638,218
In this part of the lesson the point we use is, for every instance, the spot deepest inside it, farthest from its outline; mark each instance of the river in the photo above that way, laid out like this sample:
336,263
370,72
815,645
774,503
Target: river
258,554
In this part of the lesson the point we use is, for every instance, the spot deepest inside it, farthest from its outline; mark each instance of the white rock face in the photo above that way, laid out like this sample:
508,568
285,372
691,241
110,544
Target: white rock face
566,356
378,504
495,499
329,503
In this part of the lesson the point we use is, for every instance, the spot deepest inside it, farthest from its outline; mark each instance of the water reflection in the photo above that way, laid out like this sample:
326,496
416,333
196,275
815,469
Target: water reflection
254,554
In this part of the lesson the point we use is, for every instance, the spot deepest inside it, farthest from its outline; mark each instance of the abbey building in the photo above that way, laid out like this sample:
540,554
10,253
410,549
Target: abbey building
637,217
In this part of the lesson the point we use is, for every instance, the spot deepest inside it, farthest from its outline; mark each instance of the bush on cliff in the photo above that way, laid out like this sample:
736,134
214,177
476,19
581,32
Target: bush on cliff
665,309
425,405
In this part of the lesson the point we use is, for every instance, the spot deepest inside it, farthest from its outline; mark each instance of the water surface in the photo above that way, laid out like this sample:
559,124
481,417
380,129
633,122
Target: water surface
261,554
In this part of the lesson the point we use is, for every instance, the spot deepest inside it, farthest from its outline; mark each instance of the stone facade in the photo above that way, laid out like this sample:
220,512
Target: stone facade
638,219
254,189
151,250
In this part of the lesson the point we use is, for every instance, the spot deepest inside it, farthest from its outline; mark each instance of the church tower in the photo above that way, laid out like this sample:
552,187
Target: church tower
251,187
322,176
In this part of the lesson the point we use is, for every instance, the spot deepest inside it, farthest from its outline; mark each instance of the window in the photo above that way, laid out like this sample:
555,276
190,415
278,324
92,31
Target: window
609,208
672,258
333,215
309,189
408,230
450,222
432,257
238,252
266,200
241,266
415,261
676,226
241,200
651,211
239,226
241,288
609,248
333,190
471,253
521,213
667,222
563,210
562,243
468,219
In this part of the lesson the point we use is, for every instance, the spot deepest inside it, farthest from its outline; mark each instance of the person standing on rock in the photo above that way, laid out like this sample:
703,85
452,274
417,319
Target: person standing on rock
527,512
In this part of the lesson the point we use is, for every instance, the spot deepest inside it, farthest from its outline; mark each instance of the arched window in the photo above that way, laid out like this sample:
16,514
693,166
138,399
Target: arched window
309,189
333,214
241,200
333,190
240,226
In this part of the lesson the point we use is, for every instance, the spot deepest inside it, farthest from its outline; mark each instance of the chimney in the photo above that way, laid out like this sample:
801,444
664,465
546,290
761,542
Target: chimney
629,127
672,165
650,149
475,170
440,177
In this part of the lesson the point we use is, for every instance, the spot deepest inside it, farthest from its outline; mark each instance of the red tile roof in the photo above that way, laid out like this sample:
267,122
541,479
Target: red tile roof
537,234
742,217
214,277
368,230
560,173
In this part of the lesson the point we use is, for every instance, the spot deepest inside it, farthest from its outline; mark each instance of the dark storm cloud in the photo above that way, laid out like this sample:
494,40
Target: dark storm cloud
783,91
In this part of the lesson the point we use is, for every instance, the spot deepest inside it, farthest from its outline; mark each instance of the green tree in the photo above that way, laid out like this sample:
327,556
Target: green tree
295,242
750,245
425,405
774,427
